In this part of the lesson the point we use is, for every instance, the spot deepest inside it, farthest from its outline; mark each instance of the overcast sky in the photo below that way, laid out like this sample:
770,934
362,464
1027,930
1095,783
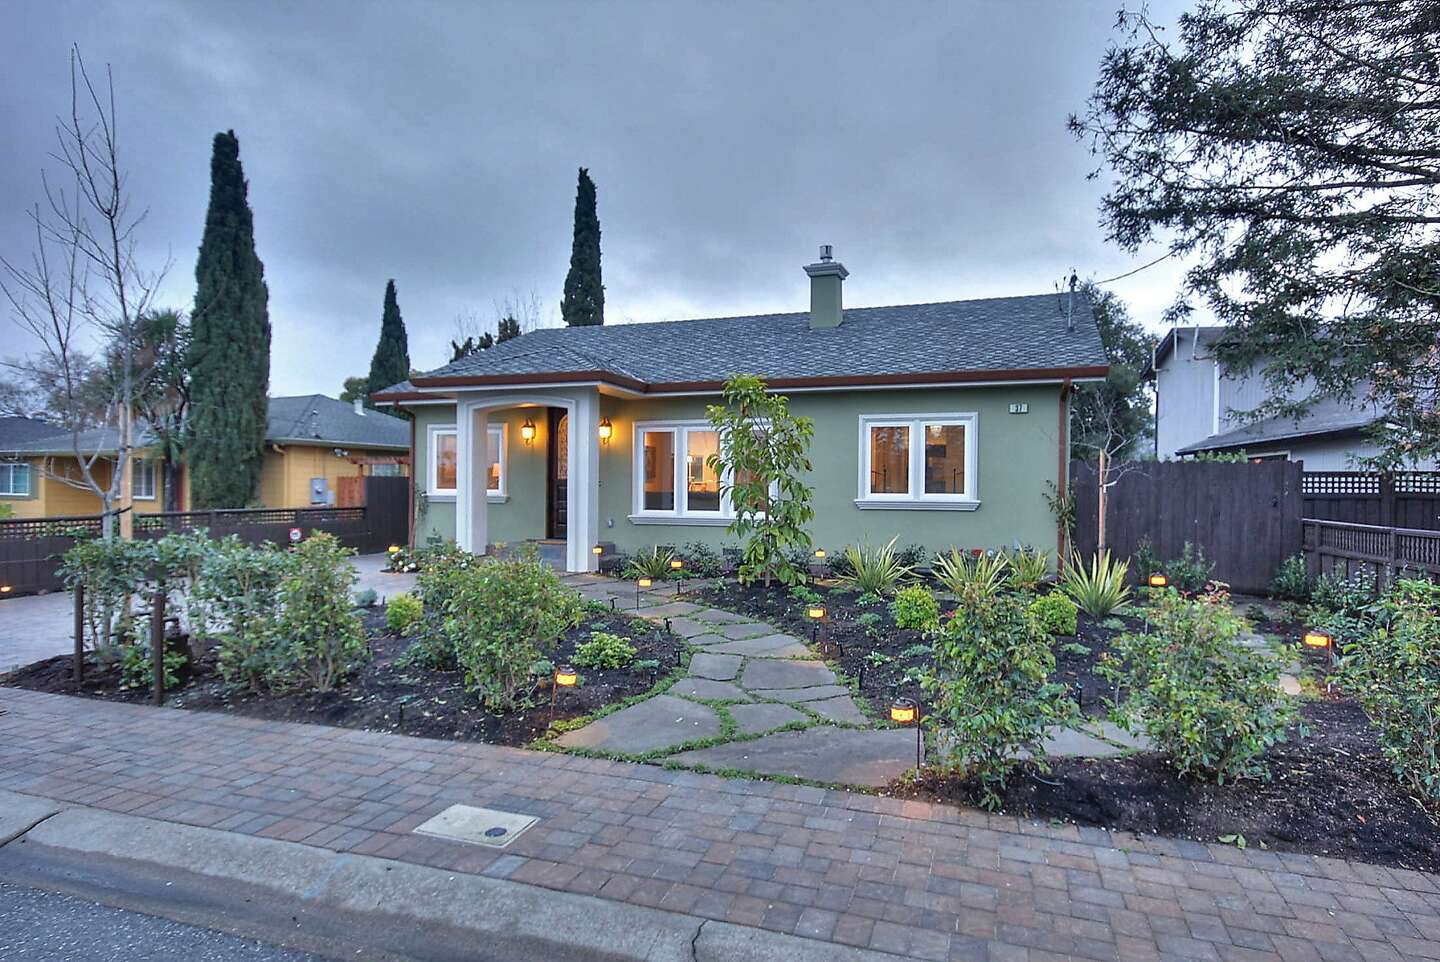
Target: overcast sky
437,144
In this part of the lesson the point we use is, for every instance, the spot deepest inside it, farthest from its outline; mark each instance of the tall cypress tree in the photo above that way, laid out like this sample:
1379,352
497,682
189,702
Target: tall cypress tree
584,300
391,363
230,344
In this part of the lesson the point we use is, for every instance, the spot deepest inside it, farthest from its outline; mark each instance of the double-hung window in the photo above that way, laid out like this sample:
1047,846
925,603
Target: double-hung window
918,461
142,479
15,479
674,480
445,461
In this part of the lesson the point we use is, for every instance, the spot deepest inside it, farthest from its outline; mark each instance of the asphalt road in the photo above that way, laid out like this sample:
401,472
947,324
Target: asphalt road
41,926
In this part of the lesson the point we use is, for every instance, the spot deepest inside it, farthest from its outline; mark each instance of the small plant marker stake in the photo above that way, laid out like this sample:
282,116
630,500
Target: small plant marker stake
157,643
78,669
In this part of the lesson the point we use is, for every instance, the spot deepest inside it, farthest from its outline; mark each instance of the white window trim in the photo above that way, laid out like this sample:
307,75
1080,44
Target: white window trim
915,499
9,491
680,514
434,492
154,480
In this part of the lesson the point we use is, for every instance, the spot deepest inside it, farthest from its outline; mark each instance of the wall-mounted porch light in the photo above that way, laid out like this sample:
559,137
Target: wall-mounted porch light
527,431
606,430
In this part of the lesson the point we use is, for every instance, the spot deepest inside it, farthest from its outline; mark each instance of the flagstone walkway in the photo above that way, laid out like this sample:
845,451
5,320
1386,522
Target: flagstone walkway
756,700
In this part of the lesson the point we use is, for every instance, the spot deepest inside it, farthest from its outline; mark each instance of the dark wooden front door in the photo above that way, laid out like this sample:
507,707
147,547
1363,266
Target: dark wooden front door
558,471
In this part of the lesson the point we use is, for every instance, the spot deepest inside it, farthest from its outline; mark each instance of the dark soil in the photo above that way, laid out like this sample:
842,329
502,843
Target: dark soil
1331,793
388,696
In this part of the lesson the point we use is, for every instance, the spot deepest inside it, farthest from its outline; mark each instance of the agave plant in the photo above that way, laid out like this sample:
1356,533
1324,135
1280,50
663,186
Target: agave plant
1098,589
653,564
973,577
875,570
1028,568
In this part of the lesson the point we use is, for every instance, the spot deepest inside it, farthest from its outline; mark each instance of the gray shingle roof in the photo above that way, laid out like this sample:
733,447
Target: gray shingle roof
1328,416
317,419
14,430
1001,335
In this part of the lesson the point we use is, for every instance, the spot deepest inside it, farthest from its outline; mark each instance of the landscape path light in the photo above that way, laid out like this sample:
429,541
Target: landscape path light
1316,638
904,711
640,583
1158,580
565,677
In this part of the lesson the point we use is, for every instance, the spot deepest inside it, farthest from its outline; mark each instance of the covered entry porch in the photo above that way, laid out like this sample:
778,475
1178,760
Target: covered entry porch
527,468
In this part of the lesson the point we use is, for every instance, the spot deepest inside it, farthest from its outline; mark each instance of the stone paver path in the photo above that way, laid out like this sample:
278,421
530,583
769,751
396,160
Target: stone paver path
747,691
925,881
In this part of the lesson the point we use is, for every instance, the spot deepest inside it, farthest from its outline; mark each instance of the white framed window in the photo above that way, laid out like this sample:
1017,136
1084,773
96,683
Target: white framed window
15,479
444,469
918,461
142,479
673,480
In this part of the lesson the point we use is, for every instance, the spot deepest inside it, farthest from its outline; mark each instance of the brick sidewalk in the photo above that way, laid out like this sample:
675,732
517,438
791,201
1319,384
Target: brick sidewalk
904,877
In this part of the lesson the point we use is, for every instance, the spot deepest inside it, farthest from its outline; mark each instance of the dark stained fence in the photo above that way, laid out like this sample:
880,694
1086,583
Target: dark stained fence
1408,499
30,550
1245,517
1371,551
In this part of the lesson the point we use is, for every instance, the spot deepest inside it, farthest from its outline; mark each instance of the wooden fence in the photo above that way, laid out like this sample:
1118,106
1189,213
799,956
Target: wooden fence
30,549
1245,517
1372,551
1407,499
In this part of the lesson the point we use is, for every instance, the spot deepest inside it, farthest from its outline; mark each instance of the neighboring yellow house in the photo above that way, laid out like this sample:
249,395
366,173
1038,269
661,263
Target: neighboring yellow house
313,445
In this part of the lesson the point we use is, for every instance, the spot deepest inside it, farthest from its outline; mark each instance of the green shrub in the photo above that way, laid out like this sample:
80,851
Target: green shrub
368,598
1056,614
1292,580
113,572
1144,561
972,577
649,564
1191,571
402,613
604,650
1354,596
1098,589
323,638
236,600
915,607
701,560
501,616
1395,674
1028,568
989,689
1210,704
138,671
875,570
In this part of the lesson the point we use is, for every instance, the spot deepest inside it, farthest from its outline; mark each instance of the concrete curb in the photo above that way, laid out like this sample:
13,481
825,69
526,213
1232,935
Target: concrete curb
508,918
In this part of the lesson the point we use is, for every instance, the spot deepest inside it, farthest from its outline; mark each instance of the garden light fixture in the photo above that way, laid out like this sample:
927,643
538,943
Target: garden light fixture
565,677
815,612
904,711
676,564
1159,581
6,589
527,431
393,549
1318,639
820,553
606,430
639,584
597,551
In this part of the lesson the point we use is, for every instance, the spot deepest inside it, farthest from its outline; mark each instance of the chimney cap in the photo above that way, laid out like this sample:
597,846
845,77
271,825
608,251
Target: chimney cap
827,252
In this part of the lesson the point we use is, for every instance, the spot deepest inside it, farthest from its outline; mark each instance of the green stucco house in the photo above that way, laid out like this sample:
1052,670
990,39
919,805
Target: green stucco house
942,424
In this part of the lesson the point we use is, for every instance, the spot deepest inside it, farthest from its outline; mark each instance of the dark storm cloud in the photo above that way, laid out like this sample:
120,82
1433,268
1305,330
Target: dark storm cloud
438,143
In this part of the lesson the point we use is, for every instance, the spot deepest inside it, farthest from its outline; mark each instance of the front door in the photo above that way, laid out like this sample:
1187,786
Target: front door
558,472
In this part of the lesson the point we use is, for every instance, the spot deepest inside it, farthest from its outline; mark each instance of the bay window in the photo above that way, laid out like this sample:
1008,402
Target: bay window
918,461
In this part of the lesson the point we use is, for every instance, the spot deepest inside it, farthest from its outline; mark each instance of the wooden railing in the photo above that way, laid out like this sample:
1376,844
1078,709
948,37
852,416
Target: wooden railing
1336,547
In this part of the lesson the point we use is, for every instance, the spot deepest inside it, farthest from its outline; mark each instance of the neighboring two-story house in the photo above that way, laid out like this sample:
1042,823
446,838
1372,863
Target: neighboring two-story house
1201,406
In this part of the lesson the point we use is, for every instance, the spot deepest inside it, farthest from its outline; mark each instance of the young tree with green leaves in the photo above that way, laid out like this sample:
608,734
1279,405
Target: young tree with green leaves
1291,150
584,301
764,454
1113,416
391,362
229,344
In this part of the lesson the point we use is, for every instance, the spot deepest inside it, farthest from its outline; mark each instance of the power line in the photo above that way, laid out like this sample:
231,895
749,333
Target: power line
1118,277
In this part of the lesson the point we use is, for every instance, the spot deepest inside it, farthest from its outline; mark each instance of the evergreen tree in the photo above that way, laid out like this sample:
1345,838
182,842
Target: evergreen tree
509,329
230,344
391,363
355,388
584,301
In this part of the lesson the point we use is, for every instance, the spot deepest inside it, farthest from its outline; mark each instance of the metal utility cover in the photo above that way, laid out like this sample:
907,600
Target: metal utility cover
479,826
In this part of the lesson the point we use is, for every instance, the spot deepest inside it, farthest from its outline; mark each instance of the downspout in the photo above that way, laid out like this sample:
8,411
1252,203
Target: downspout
410,481
1062,488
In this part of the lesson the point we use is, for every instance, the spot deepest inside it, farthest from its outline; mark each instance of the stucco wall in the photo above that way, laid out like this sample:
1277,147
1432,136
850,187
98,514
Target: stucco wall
1017,454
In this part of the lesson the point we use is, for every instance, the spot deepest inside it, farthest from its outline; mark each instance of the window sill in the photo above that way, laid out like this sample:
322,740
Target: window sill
449,498
446,497
494,498
680,520
865,504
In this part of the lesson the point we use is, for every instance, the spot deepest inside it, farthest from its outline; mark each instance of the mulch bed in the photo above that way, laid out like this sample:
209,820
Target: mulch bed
386,696
1331,792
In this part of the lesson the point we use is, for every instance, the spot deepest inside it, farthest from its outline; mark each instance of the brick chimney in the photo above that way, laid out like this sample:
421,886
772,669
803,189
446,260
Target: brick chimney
826,276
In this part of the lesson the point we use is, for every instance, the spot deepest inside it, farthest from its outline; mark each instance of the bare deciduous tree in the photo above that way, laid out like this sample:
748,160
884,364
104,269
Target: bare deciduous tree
84,287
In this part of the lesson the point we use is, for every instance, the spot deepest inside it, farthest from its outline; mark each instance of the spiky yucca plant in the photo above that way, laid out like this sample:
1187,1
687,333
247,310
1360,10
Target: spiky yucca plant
1028,568
1098,589
875,570
971,578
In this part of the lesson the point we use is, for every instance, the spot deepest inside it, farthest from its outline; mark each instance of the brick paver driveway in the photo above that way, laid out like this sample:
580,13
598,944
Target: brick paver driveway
905,877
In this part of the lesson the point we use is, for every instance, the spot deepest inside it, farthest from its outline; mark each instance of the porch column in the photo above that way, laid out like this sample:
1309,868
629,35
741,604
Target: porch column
583,486
472,455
